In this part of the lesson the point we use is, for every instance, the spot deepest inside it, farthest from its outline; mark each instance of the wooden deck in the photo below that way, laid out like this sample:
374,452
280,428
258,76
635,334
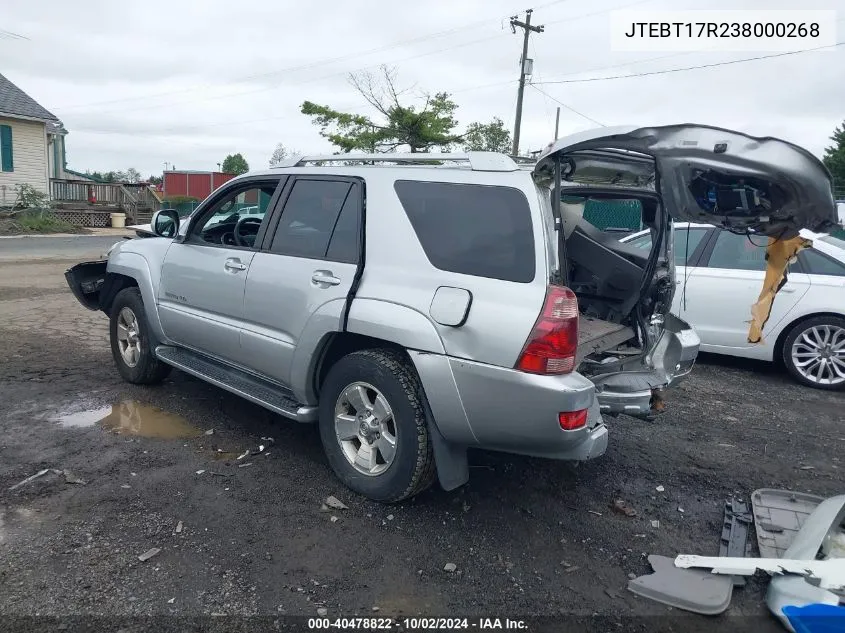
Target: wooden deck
78,199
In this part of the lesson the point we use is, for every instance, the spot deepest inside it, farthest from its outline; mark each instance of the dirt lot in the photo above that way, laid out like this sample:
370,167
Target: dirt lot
528,536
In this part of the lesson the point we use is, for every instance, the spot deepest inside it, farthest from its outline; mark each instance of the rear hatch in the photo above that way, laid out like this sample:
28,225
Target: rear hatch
699,174
706,174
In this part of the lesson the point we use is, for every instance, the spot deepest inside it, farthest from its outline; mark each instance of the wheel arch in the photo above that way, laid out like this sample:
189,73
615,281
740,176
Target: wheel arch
778,350
450,458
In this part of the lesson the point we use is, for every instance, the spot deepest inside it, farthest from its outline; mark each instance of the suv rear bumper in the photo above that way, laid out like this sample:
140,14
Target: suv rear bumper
501,409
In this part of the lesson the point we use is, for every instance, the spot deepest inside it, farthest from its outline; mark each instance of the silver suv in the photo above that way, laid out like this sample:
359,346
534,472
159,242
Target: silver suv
417,305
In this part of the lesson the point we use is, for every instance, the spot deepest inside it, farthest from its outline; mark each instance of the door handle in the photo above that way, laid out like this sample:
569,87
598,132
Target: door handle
234,264
324,278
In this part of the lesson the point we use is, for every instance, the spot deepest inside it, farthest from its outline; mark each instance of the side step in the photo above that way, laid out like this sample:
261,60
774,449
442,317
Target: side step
262,392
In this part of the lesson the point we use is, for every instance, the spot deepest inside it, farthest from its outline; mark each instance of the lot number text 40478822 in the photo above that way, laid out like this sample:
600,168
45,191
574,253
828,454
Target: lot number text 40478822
417,624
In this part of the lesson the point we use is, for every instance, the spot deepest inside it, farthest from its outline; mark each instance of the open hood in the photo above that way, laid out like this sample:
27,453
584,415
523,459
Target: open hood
705,174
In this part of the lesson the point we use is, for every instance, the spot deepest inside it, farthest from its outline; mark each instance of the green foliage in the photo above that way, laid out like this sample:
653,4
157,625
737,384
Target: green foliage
488,137
398,125
41,221
834,159
155,180
179,199
28,197
235,164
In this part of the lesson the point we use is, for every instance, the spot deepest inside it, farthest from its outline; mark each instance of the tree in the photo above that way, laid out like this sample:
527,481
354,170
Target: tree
488,137
154,180
280,153
133,175
834,159
398,125
235,164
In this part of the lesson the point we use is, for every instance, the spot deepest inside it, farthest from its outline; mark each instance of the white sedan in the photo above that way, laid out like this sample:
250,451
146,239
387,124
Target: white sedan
720,275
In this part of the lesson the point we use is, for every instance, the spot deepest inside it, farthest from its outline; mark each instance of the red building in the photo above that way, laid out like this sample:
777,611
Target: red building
192,184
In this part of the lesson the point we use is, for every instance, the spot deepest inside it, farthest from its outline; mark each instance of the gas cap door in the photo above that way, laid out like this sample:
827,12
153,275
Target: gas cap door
450,306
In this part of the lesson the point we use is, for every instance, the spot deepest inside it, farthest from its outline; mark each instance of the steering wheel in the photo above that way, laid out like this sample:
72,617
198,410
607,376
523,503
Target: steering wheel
240,238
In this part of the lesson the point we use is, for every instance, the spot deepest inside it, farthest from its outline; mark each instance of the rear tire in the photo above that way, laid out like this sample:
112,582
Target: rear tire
131,342
811,343
357,439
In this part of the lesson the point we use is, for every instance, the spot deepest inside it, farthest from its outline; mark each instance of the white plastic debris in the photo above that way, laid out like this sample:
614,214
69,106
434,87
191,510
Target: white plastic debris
825,574
171,601
333,519
660,489
149,554
337,504
179,528
210,432
450,567
245,453
200,472
655,523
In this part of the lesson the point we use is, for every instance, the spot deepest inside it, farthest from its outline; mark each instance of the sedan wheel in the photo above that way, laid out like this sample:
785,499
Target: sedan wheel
815,352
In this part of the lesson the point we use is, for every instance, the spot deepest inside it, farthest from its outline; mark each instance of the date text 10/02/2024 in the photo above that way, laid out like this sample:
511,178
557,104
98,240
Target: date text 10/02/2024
416,624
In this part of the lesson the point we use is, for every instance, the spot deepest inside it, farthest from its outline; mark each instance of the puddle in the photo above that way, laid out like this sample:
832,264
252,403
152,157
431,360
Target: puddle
132,418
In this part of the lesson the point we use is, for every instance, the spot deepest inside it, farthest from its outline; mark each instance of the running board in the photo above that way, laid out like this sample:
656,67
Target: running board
262,392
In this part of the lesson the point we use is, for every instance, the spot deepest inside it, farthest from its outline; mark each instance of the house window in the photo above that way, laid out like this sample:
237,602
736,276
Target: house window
6,163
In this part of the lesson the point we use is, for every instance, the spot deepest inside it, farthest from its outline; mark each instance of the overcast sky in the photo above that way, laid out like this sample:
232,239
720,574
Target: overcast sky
141,83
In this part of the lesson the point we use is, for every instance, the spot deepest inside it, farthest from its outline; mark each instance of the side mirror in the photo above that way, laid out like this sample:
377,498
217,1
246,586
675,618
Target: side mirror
165,223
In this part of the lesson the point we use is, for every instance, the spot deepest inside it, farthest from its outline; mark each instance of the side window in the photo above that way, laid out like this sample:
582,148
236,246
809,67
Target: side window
817,263
309,217
686,241
243,209
643,242
344,245
738,252
478,230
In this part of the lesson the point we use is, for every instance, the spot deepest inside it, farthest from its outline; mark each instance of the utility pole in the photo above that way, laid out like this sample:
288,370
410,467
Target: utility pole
557,121
523,63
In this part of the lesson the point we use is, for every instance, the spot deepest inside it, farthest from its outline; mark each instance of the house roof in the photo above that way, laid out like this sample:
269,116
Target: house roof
15,102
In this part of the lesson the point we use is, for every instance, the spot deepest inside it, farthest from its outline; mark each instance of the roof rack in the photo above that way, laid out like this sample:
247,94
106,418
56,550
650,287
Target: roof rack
478,161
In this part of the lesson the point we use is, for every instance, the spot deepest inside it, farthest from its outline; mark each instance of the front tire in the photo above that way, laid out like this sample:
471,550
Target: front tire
131,343
373,426
814,352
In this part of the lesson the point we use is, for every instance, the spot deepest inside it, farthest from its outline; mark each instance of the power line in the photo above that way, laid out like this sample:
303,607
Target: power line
250,121
12,36
316,64
568,107
678,70
323,62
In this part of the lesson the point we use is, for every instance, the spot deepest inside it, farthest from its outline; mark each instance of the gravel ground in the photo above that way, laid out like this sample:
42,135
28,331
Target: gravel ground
527,537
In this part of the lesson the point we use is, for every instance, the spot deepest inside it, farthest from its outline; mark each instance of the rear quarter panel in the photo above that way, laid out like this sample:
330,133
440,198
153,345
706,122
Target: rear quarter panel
398,273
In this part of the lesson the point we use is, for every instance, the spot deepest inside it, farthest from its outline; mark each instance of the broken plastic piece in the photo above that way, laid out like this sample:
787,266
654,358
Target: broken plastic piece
735,526
827,574
819,534
691,590
778,517
816,618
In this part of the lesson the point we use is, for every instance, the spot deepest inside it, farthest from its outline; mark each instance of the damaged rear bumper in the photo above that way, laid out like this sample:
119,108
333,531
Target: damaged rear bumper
638,391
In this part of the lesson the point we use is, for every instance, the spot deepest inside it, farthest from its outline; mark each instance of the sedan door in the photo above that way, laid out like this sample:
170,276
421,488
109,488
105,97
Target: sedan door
204,273
297,286
723,287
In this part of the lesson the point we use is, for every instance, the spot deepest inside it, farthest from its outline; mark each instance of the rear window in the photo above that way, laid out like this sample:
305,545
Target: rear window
477,230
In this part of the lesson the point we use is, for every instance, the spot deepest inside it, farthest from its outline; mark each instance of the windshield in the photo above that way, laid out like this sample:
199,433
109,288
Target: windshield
833,241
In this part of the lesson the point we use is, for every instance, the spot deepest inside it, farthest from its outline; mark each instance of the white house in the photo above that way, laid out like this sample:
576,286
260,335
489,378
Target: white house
32,143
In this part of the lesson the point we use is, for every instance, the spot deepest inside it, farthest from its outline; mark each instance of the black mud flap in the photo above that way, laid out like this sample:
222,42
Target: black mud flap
86,282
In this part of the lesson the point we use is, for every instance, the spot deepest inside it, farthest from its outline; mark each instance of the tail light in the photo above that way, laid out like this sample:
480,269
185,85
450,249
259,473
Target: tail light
553,342
571,420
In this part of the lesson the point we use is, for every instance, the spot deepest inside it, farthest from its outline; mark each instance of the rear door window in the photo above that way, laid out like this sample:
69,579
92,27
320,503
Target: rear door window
739,252
816,263
478,230
309,218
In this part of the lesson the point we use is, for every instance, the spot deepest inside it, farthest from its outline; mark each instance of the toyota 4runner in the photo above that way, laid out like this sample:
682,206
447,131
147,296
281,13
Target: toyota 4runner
415,305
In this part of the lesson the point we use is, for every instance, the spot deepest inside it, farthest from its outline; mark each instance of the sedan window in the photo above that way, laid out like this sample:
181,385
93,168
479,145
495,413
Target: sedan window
817,263
738,252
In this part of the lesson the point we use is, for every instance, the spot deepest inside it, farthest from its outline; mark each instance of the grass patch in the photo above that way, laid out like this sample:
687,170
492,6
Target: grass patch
37,222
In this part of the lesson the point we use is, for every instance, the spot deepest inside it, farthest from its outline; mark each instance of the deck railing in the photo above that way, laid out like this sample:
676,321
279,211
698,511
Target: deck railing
131,198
